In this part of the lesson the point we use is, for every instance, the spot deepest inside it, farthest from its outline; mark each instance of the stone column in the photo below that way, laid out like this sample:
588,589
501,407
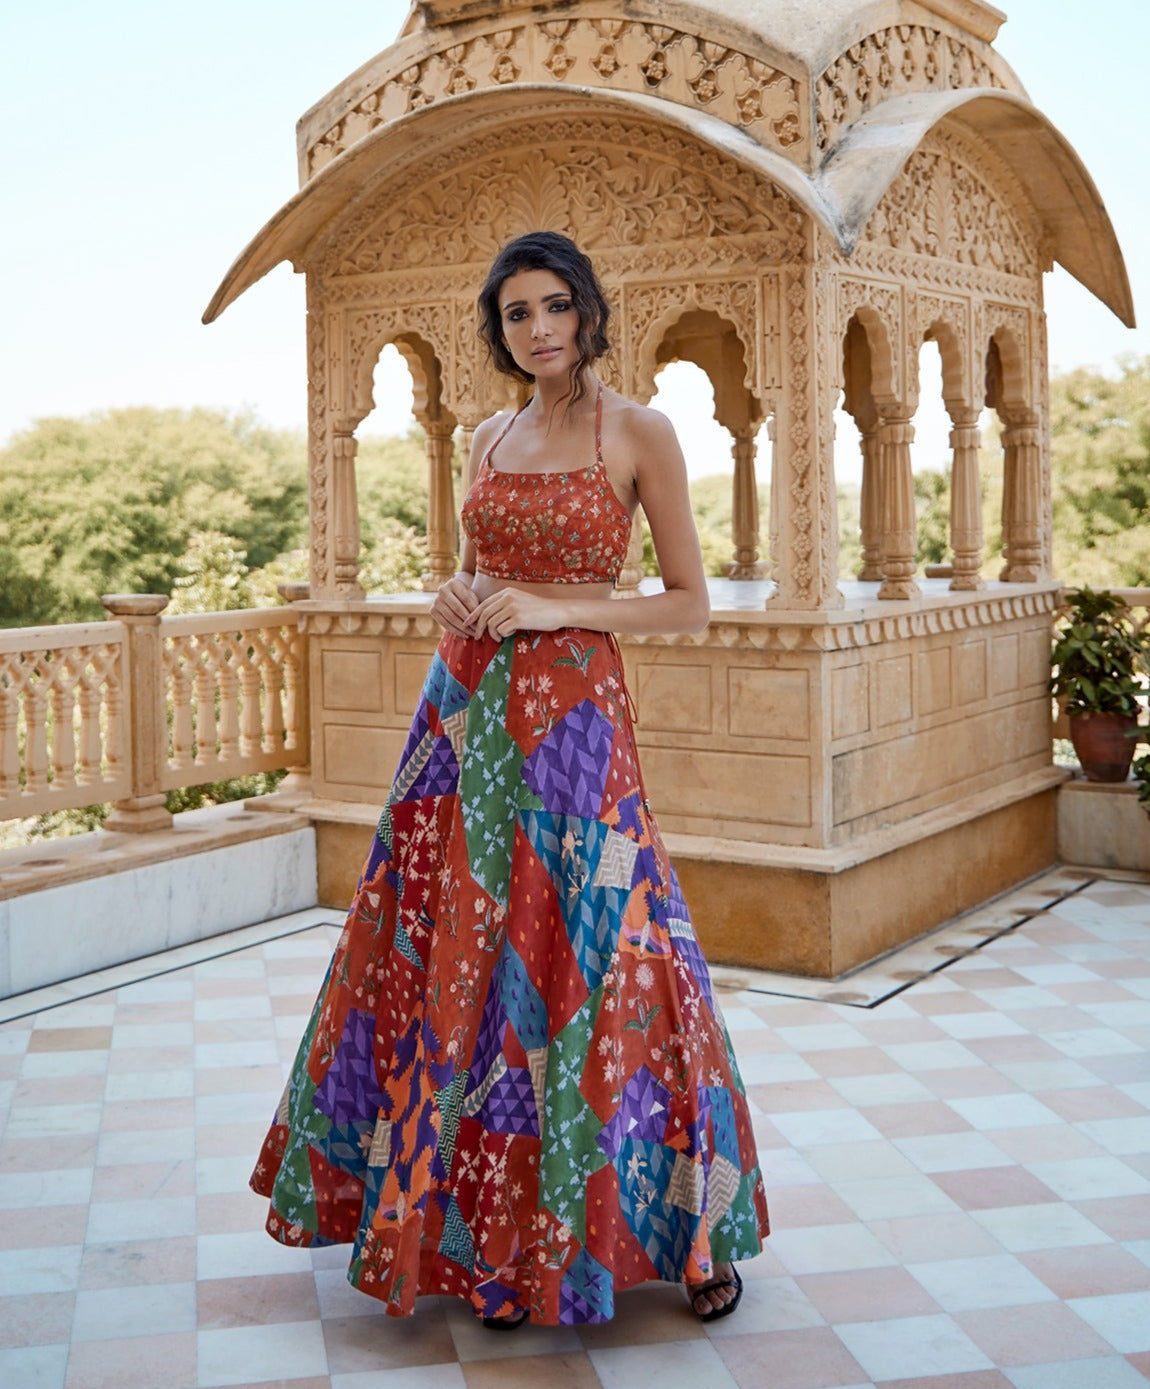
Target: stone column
345,515
965,501
297,690
745,510
632,571
870,505
1022,500
441,552
803,497
144,810
899,525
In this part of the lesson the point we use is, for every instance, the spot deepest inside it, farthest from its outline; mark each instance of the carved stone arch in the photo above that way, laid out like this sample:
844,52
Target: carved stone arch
655,311
1008,384
422,335
946,322
878,309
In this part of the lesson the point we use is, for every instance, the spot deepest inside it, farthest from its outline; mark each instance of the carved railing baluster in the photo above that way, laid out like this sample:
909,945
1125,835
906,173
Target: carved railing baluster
88,765
61,701
250,721
36,750
182,752
205,688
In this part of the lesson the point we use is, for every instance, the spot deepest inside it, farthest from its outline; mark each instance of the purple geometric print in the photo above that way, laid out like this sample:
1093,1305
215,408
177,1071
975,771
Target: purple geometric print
419,730
586,1293
350,1091
489,1042
440,774
642,1113
629,822
510,1105
569,768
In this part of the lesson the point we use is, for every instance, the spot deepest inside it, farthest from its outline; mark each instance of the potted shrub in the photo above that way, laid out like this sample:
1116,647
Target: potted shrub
1142,780
1099,662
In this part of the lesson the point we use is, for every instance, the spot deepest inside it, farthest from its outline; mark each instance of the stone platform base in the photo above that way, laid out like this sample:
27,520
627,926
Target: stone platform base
805,921
795,911
1103,826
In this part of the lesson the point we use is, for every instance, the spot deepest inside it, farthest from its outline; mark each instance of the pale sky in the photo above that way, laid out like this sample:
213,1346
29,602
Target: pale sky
148,143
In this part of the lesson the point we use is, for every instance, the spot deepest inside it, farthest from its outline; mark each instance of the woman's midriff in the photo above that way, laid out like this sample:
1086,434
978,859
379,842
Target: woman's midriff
483,585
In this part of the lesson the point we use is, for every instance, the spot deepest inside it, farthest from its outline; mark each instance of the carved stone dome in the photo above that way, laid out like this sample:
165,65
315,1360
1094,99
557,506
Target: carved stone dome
828,101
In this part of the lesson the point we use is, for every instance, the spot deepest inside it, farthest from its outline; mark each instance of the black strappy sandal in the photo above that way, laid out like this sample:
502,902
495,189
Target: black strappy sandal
717,1313
512,1323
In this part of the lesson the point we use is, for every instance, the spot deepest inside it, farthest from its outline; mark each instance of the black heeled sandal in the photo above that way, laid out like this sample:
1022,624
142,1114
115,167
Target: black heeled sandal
734,1282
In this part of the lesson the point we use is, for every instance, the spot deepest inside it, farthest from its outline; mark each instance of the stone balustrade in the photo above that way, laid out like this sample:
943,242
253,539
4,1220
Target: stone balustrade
131,708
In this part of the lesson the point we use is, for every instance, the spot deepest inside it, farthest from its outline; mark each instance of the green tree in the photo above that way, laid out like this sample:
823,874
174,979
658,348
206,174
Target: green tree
213,576
109,503
1100,428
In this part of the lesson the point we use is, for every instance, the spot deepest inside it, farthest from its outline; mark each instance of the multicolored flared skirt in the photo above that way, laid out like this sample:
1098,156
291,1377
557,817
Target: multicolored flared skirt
516,1085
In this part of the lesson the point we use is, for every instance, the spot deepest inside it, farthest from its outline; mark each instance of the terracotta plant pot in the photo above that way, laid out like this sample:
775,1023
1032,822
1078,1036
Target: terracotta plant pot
1103,744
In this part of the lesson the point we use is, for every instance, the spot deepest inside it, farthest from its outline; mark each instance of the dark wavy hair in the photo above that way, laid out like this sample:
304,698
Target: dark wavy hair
544,250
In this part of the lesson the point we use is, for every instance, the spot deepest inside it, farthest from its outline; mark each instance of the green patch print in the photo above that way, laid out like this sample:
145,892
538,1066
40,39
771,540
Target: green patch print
736,1236
490,779
570,1128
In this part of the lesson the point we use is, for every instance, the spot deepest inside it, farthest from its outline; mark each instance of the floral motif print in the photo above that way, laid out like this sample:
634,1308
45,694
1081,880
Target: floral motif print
549,527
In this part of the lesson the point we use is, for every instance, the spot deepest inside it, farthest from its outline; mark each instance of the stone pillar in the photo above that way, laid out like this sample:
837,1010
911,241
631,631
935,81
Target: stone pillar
899,525
965,501
745,510
1022,501
773,512
632,571
144,810
297,689
441,551
870,505
345,515
803,497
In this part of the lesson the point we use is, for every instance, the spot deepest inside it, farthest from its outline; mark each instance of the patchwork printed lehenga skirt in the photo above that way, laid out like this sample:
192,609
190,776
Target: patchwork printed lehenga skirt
516,1085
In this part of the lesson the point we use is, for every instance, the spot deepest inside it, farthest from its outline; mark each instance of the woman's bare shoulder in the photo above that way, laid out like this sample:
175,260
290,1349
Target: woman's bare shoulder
640,424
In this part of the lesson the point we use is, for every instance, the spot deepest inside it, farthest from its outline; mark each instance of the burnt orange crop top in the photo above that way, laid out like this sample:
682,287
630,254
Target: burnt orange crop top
550,527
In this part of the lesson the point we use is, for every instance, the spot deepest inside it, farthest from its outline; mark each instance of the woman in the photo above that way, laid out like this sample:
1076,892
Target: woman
516,1086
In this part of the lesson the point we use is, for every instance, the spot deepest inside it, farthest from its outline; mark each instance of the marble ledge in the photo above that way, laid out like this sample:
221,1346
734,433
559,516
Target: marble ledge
76,858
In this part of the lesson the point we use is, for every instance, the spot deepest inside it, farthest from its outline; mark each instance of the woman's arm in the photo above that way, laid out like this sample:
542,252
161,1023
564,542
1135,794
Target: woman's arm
646,438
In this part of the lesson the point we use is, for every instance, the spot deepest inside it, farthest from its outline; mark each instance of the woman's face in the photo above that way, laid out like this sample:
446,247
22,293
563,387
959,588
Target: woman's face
539,323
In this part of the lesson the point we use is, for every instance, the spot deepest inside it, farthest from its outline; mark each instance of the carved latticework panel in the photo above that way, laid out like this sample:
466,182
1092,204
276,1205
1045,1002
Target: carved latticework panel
614,54
890,62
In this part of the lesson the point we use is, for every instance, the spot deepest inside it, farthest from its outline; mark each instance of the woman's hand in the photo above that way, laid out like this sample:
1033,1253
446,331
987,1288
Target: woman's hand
454,603
514,610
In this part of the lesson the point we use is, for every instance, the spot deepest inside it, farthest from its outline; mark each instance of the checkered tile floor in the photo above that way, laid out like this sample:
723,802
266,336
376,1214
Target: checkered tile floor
959,1179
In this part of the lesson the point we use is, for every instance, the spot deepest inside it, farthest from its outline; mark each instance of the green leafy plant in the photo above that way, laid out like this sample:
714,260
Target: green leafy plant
1099,661
1140,770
